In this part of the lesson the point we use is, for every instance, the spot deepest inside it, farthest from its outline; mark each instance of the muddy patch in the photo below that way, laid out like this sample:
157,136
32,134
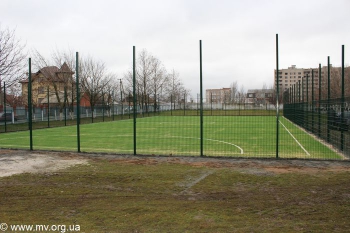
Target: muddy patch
35,163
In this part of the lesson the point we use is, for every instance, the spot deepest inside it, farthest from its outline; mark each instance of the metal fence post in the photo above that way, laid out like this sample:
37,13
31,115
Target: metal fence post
292,113
299,105
113,106
134,97
302,89
121,98
48,107
103,107
201,98
294,102
211,103
92,103
342,99
277,100
307,101
30,106
299,96
129,103
65,106
313,99
328,99
78,99
303,102
184,104
5,107
319,99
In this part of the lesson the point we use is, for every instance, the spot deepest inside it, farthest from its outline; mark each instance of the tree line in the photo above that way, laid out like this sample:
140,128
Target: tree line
154,83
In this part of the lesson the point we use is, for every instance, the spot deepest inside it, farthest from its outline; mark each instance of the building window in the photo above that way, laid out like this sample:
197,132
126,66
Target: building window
41,90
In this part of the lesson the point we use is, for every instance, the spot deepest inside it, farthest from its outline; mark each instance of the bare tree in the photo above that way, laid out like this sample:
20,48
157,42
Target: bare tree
264,87
234,92
158,80
94,81
12,57
175,87
14,97
110,92
335,83
151,79
241,95
144,74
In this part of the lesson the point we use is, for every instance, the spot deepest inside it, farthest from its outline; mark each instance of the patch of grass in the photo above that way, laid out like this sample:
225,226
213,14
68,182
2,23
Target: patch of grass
112,196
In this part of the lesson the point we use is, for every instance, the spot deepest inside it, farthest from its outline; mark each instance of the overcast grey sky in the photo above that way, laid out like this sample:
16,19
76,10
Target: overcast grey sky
238,36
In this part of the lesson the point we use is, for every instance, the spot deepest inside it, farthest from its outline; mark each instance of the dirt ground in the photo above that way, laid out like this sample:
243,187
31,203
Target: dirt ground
22,161
17,161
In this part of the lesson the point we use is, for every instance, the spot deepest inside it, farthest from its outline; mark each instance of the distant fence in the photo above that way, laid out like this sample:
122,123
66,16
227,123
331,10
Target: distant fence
53,116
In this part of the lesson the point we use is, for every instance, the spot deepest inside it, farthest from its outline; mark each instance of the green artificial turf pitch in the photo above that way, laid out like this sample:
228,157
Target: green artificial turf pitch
242,136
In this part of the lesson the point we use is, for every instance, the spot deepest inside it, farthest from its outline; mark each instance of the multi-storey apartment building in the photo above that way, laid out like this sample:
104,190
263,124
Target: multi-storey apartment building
295,81
293,75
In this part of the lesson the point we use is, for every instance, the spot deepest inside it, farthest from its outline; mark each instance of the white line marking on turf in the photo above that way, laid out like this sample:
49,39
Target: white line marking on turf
226,143
208,139
191,183
295,139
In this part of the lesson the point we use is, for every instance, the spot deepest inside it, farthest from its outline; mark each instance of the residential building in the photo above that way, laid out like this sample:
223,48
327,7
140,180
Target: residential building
293,75
49,85
218,96
294,81
260,96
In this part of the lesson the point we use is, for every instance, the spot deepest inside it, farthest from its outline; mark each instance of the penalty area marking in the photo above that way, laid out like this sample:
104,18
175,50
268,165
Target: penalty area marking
295,139
208,139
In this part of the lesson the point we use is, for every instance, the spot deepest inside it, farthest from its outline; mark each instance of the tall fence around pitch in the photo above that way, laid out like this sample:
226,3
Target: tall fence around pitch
247,131
321,110
297,126
324,119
